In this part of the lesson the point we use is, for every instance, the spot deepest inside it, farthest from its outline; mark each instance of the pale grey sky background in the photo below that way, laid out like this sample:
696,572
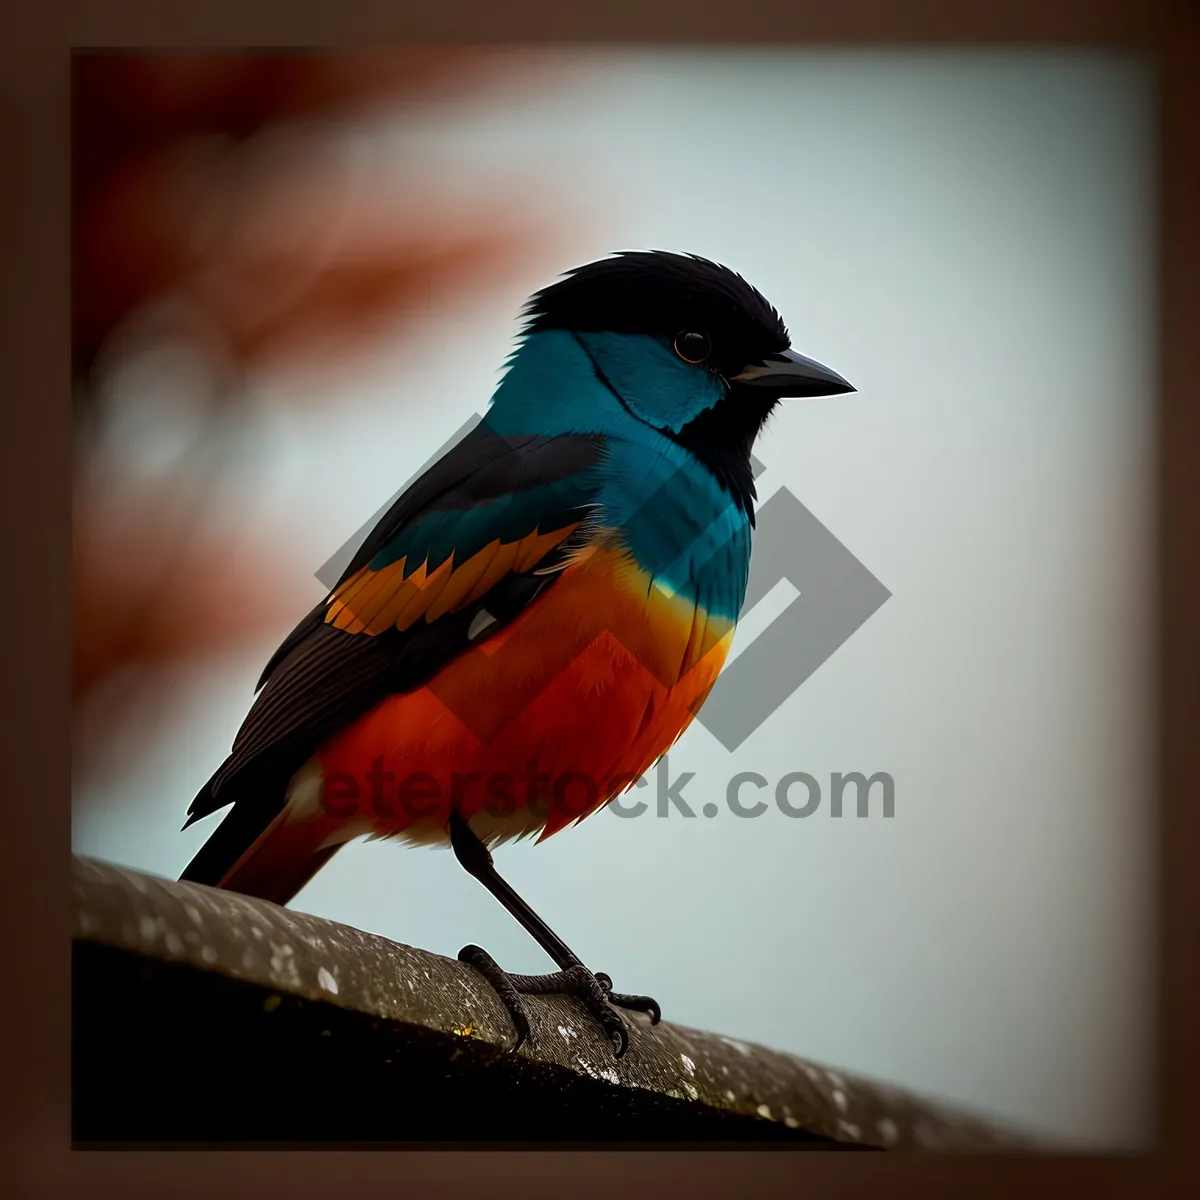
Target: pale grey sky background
966,237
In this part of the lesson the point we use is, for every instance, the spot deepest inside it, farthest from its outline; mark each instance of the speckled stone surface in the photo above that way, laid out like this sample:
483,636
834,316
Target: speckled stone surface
294,954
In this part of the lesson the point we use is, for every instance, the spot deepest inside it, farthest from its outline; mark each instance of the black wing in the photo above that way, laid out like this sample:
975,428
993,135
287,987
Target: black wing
484,527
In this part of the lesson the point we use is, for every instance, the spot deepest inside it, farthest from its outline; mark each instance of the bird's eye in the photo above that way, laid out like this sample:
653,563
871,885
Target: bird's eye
692,347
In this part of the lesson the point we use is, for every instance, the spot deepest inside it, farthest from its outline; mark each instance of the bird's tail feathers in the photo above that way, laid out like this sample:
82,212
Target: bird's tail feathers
259,853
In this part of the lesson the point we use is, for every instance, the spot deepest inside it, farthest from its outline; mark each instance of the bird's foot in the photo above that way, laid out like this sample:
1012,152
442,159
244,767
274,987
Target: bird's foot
595,990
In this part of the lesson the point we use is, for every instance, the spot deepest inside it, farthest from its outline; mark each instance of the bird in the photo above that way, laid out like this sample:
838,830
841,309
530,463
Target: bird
537,618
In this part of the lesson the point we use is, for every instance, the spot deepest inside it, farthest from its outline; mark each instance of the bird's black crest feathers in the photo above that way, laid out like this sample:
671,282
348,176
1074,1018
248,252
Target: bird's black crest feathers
658,292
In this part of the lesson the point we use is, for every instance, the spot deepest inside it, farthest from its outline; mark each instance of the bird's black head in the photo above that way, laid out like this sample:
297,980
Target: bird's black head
707,317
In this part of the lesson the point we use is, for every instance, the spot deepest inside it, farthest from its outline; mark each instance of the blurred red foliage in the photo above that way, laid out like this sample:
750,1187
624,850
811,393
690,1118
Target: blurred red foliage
148,134
267,248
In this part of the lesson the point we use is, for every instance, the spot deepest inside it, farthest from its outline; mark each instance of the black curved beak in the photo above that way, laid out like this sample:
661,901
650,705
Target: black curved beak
790,374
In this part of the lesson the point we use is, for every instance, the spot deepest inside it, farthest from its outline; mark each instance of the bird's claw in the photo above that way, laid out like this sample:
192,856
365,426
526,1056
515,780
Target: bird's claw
646,1004
593,990
502,985
595,997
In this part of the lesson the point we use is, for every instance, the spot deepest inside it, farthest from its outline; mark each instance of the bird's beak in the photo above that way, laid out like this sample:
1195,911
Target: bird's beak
790,374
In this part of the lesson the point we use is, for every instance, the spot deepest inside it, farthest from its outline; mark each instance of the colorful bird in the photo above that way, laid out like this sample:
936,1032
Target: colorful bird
537,619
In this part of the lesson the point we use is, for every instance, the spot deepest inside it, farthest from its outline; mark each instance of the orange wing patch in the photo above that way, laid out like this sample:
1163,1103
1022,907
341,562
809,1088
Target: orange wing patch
371,602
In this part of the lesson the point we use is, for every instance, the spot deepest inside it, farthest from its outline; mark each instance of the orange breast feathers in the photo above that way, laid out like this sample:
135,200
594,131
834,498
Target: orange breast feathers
531,729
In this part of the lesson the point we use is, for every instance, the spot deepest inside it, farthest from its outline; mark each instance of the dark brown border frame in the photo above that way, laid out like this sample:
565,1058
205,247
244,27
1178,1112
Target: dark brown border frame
36,512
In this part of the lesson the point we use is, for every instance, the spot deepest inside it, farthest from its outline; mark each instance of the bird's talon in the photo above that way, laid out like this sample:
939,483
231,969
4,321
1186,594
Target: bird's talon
645,1004
613,1026
502,985
594,990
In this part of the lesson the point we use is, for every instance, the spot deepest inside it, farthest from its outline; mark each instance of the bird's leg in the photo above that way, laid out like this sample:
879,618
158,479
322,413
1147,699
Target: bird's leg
572,977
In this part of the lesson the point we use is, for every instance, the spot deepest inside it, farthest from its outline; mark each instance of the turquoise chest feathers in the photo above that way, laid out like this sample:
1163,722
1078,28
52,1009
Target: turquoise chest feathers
676,520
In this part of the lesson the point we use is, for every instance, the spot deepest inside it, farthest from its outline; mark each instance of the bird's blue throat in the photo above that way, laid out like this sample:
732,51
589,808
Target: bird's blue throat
681,522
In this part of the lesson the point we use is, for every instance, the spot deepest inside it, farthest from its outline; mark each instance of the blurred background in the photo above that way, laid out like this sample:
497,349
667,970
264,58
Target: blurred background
296,277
